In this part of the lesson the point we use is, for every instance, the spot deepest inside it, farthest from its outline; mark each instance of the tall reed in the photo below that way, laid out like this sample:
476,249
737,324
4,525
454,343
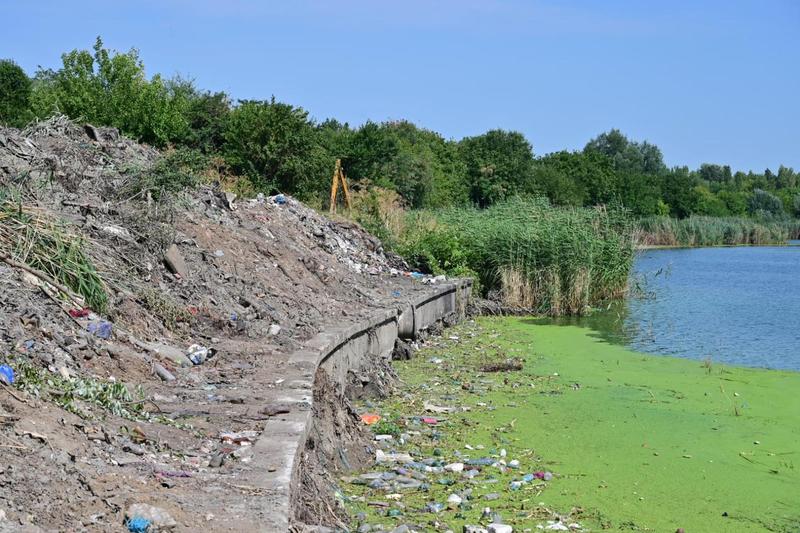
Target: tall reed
713,231
548,259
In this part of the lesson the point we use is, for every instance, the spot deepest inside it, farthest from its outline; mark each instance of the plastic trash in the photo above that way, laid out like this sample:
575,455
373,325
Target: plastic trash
547,476
278,199
198,354
149,516
100,328
6,375
138,524
79,313
435,507
417,275
527,478
370,418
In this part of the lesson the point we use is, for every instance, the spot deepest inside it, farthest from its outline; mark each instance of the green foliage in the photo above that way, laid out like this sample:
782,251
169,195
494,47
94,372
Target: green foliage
109,88
764,204
713,231
499,165
48,246
278,147
15,92
644,158
113,396
566,259
174,172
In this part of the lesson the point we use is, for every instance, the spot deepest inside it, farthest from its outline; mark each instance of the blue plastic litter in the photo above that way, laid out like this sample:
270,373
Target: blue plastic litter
100,328
137,524
527,478
417,275
279,199
396,294
6,375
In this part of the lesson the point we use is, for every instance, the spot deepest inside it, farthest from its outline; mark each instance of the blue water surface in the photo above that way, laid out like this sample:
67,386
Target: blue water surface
736,305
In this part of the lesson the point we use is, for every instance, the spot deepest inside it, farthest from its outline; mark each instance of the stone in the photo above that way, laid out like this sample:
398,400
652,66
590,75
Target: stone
499,528
474,529
274,330
174,261
454,467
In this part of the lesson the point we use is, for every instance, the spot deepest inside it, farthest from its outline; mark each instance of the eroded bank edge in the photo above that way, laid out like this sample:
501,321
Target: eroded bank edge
277,451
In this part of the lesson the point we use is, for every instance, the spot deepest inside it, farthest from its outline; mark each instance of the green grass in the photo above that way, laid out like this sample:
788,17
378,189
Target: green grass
714,231
637,442
30,236
558,261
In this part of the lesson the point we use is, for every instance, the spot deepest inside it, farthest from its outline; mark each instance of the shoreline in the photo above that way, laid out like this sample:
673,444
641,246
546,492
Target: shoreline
632,439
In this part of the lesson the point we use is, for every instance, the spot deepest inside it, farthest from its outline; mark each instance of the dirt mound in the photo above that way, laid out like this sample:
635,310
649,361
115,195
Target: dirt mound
109,409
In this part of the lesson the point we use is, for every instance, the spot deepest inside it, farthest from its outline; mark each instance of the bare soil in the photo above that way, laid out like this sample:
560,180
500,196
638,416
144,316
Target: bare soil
261,277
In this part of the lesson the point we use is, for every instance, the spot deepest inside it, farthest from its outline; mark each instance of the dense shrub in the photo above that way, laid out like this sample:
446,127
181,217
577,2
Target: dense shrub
15,92
111,88
277,146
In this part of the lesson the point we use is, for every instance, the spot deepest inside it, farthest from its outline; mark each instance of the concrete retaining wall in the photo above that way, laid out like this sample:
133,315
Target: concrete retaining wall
277,452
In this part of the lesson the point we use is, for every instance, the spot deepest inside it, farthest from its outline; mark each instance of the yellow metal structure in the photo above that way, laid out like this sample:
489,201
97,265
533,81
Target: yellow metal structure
338,176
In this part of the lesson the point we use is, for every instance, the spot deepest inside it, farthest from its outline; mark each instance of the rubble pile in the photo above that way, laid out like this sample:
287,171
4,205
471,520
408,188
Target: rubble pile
146,411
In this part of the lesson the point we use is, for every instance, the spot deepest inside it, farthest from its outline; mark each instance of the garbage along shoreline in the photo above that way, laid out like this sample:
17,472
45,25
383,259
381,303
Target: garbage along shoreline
338,352
512,425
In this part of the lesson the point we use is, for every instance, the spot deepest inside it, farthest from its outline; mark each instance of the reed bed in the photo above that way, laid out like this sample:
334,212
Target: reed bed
714,231
557,261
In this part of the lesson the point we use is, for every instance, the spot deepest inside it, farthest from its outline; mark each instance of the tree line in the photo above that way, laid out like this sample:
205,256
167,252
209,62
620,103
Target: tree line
275,146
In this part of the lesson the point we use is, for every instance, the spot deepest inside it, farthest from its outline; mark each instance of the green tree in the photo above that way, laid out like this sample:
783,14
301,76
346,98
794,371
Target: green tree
110,88
499,164
15,92
764,204
278,146
707,203
628,155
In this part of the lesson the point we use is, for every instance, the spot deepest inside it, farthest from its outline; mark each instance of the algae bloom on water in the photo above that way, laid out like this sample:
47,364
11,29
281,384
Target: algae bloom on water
633,441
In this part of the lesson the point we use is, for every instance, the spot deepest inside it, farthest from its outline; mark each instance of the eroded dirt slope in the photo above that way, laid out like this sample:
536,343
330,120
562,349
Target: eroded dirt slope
249,281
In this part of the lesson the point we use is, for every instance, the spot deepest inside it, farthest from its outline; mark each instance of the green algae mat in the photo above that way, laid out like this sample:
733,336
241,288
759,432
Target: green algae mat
633,442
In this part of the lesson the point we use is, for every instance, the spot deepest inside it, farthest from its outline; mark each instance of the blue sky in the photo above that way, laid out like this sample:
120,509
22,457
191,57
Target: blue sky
712,81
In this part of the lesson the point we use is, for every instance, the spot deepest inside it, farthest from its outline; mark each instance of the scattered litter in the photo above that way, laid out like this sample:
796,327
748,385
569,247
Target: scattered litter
6,375
242,438
370,418
278,199
197,354
429,420
79,313
143,515
100,328
138,525
438,409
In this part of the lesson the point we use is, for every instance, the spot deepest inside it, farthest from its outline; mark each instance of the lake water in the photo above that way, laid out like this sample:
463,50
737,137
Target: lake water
734,305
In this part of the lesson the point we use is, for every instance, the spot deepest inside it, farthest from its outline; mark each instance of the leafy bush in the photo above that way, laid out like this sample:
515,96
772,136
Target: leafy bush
111,88
15,92
277,146
762,203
